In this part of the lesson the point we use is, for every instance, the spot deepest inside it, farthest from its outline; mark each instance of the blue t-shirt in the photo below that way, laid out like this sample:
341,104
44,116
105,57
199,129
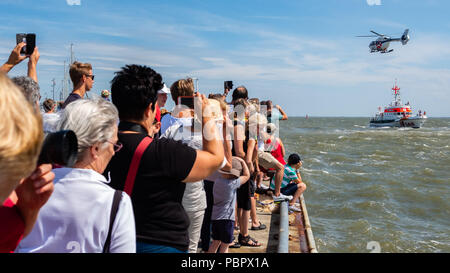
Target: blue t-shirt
224,192
70,98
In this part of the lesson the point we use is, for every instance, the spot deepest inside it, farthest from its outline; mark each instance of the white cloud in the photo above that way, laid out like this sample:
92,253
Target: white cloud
73,2
374,2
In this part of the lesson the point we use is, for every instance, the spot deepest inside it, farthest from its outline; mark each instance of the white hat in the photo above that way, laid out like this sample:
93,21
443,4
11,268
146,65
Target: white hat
164,90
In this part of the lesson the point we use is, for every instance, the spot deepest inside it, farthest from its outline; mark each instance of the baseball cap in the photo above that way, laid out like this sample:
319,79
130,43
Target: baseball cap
164,90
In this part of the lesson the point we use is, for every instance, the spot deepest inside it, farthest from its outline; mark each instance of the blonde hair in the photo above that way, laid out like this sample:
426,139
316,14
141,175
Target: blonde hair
77,70
21,137
183,87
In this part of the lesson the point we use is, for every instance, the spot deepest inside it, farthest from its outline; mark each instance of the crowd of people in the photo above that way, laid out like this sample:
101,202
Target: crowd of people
145,179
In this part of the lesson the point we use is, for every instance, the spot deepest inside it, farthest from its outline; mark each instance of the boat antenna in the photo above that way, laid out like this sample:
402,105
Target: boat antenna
396,90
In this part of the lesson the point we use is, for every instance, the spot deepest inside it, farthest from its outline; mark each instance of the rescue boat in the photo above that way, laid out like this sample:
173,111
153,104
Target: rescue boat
398,114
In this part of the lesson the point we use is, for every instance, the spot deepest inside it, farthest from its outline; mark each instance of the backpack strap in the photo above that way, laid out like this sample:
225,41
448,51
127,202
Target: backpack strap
115,207
134,166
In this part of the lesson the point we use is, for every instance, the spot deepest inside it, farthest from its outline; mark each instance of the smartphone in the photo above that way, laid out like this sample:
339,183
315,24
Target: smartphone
187,101
21,37
29,39
228,85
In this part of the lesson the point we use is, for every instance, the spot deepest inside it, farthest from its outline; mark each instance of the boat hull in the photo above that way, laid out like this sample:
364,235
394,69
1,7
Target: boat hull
413,122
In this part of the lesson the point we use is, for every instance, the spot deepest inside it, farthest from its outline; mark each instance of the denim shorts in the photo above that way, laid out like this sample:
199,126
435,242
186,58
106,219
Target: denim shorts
290,189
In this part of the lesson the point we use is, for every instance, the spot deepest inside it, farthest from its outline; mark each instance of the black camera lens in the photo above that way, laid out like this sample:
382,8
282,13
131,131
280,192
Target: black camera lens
59,148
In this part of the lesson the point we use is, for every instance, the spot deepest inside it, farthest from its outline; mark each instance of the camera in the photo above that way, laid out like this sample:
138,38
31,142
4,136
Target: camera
29,39
186,101
59,148
228,85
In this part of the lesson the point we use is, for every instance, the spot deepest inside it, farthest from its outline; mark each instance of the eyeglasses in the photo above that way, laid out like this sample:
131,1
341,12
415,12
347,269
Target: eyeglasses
117,146
91,76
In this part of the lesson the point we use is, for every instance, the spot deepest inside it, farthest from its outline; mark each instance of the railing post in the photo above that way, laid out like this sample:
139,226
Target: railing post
283,237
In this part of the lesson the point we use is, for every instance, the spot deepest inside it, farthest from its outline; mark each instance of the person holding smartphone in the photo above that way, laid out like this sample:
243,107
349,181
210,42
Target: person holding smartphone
16,58
227,86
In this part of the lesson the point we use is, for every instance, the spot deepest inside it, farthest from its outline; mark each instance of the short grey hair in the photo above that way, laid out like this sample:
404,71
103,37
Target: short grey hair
29,88
92,120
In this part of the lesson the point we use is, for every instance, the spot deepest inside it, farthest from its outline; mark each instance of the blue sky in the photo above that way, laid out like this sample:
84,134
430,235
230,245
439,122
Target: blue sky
303,55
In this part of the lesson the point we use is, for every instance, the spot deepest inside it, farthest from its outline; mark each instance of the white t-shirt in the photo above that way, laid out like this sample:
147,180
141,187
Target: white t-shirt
76,217
194,197
50,121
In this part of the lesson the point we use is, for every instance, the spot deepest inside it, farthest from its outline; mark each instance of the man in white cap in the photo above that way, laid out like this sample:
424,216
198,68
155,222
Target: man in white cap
162,96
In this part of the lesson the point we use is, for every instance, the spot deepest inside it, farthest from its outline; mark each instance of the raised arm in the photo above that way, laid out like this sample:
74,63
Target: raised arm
227,143
32,64
211,157
285,117
14,58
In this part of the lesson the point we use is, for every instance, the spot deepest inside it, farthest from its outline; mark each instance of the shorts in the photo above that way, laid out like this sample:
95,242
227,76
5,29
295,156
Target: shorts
266,160
289,189
222,230
252,187
243,196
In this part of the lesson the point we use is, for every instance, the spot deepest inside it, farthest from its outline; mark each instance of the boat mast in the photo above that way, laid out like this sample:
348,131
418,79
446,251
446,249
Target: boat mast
396,89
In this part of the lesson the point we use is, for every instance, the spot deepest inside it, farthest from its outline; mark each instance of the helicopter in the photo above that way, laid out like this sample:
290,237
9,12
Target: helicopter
382,43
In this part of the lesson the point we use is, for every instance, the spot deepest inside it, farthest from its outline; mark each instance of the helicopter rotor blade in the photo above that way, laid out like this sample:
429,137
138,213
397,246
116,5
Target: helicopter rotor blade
378,34
371,36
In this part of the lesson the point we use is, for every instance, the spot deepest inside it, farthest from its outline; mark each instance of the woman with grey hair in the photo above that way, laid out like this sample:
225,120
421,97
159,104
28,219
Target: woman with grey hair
29,88
79,215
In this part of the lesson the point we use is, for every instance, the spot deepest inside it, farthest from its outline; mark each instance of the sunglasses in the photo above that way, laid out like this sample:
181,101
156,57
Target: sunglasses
91,76
117,146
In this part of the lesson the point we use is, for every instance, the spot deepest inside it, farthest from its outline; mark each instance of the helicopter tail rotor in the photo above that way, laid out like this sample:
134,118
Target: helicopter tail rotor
405,37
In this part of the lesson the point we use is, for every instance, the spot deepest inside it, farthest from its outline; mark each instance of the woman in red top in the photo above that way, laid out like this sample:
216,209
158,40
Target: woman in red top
278,152
275,146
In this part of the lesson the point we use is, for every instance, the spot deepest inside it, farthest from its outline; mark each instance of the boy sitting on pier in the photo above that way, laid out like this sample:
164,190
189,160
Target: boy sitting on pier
292,182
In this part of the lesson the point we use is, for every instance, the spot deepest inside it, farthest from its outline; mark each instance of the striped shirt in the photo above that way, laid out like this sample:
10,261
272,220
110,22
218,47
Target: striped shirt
288,176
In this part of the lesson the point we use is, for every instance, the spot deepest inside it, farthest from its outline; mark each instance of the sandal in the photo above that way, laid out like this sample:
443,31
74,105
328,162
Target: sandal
260,227
248,241
235,245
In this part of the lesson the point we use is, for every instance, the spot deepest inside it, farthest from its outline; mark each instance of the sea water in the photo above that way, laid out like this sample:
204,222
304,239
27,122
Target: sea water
388,186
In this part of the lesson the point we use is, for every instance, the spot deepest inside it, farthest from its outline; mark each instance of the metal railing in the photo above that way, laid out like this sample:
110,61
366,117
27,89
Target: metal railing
309,233
283,237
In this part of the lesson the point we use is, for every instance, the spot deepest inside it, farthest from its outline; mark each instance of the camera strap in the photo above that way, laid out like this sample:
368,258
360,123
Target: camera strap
134,166
131,126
